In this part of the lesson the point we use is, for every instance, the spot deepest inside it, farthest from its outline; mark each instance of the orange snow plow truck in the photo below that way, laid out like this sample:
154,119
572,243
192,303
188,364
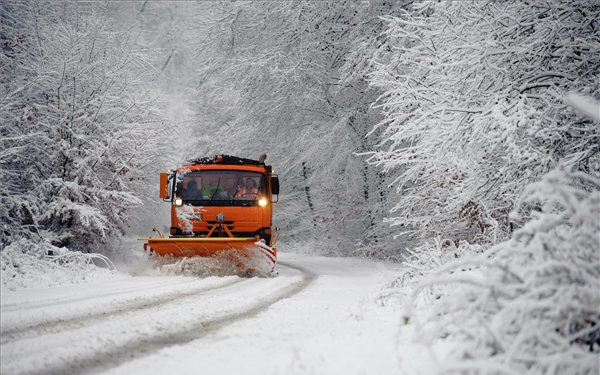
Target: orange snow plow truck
220,207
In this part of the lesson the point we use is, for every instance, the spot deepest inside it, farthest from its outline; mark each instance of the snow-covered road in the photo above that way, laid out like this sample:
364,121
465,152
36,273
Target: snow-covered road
317,316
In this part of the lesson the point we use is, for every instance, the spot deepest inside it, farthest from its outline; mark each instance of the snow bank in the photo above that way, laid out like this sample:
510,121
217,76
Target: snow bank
529,305
26,264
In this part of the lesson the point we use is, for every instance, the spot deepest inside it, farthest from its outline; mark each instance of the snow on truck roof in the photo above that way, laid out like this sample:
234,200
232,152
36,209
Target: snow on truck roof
224,159
227,162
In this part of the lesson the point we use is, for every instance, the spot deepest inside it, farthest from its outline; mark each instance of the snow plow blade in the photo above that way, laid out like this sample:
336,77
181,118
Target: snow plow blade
245,252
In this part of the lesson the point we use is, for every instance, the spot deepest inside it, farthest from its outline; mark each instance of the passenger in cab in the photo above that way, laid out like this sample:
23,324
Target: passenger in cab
209,186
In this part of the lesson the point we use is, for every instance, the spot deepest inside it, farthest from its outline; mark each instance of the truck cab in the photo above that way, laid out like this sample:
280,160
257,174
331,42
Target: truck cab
224,196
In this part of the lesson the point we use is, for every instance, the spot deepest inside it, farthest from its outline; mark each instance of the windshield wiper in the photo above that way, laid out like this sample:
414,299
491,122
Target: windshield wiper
217,189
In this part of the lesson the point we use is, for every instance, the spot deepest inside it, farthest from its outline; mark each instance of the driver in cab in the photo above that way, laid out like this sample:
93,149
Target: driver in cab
248,191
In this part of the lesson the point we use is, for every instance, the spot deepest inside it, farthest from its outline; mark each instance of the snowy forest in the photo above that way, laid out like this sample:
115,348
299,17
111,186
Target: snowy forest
459,140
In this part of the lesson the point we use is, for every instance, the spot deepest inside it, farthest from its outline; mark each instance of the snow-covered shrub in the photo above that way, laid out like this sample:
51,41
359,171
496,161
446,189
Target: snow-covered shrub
417,263
27,264
76,135
530,305
474,111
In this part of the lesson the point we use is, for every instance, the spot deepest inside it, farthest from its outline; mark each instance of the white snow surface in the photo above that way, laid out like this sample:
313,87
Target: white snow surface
586,105
317,316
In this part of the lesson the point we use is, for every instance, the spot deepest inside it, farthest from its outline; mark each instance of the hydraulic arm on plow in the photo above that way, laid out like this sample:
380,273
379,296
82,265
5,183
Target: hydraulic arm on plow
221,206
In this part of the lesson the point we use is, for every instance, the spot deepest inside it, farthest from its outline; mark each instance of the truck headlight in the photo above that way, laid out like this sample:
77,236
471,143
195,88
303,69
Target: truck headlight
262,202
178,201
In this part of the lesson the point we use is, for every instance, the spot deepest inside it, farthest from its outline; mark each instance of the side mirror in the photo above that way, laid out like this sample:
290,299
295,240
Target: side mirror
274,185
164,185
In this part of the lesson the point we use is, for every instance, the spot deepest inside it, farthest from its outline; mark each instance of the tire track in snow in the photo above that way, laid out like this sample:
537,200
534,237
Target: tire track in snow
19,307
110,357
117,309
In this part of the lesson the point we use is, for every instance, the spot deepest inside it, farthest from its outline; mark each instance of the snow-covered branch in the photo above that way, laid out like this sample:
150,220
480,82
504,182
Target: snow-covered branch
474,110
76,124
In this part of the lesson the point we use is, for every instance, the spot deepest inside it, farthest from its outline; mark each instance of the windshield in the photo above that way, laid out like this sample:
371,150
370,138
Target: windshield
220,188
